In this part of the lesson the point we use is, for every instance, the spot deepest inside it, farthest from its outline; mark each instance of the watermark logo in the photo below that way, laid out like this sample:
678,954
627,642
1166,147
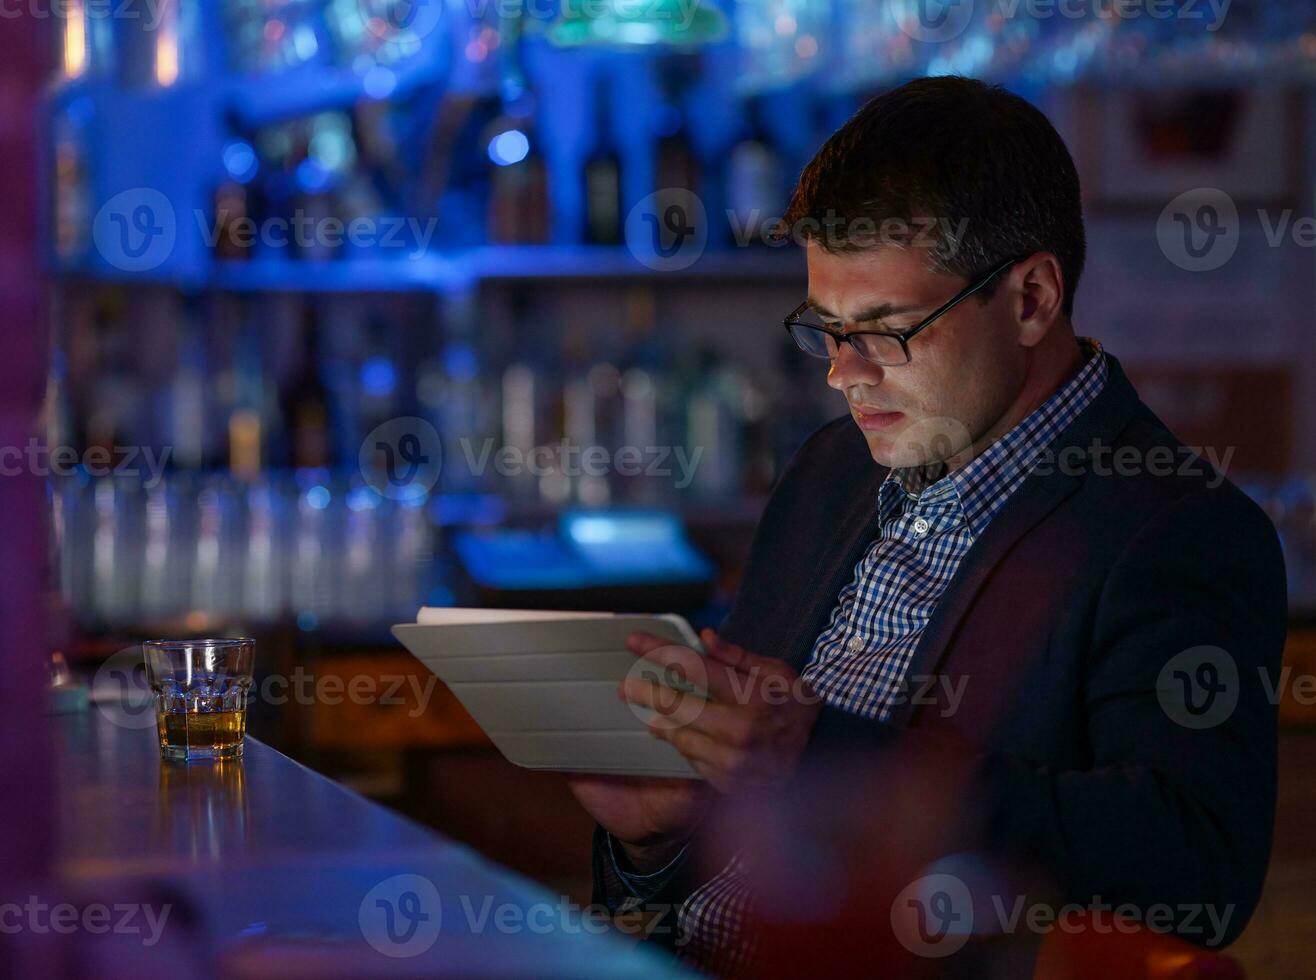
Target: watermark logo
1199,687
121,692
1199,230
680,677
668,230
41,460
135,230
389,19
94,918
401,917
565,458
931,440
149,12
932,20
933,916
402,458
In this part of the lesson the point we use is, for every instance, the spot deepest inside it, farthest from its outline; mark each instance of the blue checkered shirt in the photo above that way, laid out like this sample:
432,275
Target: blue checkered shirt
928,520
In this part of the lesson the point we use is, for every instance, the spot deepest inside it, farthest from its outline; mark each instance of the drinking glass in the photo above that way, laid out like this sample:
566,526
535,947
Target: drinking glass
200,696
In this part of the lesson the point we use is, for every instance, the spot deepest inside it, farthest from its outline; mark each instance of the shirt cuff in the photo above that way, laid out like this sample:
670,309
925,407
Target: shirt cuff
641,886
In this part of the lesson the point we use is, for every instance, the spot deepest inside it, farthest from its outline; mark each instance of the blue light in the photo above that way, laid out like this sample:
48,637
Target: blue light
307,621
379,377
460,362
318,497
509,147
240,160
312,176
362,498
379,82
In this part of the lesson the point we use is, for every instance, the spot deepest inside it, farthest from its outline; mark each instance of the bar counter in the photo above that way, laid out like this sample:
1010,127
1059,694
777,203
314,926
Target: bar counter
284,870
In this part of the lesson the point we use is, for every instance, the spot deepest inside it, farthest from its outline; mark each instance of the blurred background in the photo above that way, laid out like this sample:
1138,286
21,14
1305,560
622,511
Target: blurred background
340,292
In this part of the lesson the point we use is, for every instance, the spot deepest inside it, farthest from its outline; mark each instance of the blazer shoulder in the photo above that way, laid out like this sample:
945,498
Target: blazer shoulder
1180,484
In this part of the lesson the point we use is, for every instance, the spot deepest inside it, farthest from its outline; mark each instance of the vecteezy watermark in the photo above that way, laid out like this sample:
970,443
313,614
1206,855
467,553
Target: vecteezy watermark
135,230
1209,13
679,681
320,234
1199,230
932,21
1102,459
149,12
1200,687
668,230
120,691
937,913
402,458
390,20
936,439
833,230
399,20
402,917
95,918
567,458
933,915
936,21
38,459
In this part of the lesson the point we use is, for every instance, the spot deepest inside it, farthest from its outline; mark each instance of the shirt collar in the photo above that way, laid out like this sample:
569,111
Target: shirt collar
981,487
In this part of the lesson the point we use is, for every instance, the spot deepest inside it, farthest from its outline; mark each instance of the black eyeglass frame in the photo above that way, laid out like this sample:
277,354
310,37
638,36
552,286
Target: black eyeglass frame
903,336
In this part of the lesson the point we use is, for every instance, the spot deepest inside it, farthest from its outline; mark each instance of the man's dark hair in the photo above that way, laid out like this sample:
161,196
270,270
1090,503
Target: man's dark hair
968,155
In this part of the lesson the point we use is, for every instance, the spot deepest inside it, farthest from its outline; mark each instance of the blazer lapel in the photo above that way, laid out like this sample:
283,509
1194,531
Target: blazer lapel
1107,415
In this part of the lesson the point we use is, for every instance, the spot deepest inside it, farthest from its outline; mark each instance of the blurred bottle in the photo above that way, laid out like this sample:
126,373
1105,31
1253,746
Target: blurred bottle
462,403
71,185
755,179
677,167
646,370
603,180
248,422
232,224
307,402
518,194
714,440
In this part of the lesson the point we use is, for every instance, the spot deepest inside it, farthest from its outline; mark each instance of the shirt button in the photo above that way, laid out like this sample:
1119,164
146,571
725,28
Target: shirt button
921,526
855,645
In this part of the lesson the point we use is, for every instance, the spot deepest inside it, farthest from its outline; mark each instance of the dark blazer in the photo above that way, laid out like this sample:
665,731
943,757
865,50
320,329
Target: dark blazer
1061,617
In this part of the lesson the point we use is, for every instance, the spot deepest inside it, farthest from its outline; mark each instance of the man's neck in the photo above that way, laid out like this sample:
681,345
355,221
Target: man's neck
1044,380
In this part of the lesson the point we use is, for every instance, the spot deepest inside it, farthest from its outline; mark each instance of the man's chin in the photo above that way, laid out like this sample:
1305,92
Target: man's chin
887,450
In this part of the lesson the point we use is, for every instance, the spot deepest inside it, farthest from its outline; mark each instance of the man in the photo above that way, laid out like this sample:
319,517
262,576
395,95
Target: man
1001,525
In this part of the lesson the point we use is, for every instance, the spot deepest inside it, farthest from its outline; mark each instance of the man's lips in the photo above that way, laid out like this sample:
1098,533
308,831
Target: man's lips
871,419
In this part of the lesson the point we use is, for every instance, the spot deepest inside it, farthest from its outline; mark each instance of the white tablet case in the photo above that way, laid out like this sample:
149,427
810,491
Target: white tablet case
543,685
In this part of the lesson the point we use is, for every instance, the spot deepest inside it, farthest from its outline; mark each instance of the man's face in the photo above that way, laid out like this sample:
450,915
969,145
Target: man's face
965,369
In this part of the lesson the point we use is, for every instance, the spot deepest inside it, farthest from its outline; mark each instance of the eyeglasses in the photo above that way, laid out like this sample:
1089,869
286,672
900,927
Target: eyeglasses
883,347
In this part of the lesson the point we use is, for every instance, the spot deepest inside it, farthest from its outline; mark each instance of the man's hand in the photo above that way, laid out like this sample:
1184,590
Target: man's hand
650,817
753,727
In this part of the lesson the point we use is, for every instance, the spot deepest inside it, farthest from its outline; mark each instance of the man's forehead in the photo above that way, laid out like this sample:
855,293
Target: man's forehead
848,284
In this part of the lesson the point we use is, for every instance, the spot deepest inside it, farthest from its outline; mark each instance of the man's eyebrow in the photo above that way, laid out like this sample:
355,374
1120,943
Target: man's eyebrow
879,312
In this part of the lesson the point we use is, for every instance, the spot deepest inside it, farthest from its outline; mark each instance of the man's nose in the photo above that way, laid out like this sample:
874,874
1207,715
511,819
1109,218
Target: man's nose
848,368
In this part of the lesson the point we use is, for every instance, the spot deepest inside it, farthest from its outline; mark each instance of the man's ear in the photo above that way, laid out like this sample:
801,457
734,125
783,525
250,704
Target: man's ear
1041,296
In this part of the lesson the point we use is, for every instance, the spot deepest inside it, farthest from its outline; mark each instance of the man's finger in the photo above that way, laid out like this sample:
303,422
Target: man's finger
682,664
699,748
674,708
